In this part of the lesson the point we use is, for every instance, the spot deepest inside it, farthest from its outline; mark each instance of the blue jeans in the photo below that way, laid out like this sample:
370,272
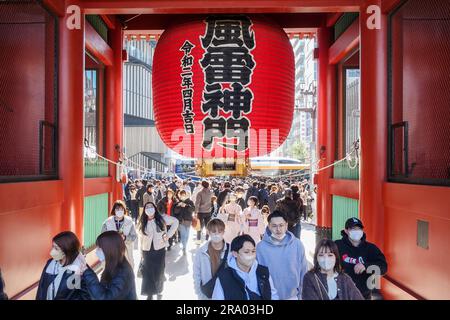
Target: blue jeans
184,229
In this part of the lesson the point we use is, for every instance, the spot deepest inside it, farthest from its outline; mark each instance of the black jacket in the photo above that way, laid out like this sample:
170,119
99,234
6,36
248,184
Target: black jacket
121,287
184,214
222,197
263,197
252,191
64,293
367,253
140,196
291,209
242,203
234,287
3,295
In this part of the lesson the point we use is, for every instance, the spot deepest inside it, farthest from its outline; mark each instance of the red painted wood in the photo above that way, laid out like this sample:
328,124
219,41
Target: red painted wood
404,204
71,117
373,144
326,126
55,6
114,108
97,46
344,188
345,44
332,18
93,186
389,5
216,6
109,20
30,216
290,21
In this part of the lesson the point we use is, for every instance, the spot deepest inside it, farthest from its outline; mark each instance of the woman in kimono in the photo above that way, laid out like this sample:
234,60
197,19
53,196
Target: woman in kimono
254,220
231,215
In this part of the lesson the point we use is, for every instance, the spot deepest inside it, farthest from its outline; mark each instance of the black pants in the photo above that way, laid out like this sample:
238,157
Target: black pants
175,237
134,210
204,219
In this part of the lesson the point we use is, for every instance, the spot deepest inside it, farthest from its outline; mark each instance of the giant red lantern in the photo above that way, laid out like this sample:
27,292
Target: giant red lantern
223,87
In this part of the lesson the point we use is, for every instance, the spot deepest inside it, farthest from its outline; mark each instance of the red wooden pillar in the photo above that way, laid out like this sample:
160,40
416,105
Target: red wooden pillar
70,134
373,124
326,132
114,113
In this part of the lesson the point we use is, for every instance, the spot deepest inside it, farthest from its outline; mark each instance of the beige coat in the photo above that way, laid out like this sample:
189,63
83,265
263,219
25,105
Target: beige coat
152,234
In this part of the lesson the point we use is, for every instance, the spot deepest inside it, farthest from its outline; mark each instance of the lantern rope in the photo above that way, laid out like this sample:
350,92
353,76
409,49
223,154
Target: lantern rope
118,163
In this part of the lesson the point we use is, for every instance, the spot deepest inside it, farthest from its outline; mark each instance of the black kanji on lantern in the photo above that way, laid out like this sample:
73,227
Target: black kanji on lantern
187,93
228,64
228,42
238,101
233,30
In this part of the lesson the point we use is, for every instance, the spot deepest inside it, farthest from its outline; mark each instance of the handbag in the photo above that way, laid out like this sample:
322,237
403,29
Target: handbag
194,222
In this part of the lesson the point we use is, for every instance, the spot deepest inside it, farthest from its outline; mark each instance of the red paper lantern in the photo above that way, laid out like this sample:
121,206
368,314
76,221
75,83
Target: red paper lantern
223,87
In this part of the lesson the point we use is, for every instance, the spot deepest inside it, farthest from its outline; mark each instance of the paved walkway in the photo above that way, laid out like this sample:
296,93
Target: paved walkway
180,284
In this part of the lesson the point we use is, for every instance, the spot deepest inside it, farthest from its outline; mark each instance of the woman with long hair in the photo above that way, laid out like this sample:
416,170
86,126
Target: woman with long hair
155,235
327,281
121,222
59,278
167,206
117,280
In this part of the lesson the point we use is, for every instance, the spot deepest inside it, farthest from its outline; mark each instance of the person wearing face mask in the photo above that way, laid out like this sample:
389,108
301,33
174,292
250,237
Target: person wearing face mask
120,221
327,281
243,278
209,259
184,211
117,280
284,255
59,277
155,235
253,220
231,215
357,255
240,195
167,206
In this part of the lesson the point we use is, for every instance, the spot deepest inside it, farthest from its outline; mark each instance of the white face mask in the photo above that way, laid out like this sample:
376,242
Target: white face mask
120,213
216,238
100,255
150,211
57,254
356,235
278,237
326,263
248,260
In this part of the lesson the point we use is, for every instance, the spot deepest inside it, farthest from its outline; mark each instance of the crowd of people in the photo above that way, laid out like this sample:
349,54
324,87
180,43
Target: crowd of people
248,237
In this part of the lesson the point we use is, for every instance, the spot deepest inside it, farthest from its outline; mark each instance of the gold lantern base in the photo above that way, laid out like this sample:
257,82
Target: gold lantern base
223,167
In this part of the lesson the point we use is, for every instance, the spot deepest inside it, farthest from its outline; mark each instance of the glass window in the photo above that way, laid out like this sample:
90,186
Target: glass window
352,107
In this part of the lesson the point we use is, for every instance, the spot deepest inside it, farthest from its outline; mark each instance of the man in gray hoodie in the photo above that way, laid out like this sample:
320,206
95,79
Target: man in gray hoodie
284,255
